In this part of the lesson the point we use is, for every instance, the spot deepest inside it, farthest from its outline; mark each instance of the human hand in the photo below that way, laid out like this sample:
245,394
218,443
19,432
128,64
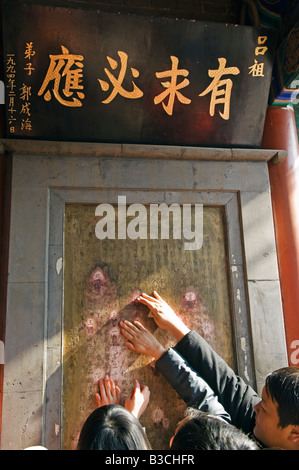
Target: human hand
164,315
141,340
109,392
138,399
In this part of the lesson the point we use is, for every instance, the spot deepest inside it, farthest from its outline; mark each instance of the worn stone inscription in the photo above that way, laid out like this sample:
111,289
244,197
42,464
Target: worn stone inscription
102,280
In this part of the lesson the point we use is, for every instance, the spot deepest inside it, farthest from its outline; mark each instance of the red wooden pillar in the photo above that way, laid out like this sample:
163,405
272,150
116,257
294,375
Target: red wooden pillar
280,133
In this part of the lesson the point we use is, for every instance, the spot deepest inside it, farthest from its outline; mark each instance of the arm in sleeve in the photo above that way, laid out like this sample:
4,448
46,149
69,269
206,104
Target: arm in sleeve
189,386
233,393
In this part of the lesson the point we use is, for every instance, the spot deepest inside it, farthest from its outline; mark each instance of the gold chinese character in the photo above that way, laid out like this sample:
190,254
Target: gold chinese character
10,63
117,82
25,92
66,79
262,39
29,68
172,87
257,69
29,52
220,95
11,102
11,85
10,68
260,50
26,125
25,109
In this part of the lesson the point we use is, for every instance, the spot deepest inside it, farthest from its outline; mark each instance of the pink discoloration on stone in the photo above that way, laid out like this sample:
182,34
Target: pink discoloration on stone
100,300
99,285
90,326
193,312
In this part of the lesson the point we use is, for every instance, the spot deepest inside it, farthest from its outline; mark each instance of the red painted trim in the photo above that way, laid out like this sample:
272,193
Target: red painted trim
280,133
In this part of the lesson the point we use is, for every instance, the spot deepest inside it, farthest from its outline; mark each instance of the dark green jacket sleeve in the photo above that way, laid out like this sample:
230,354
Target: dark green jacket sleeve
233,393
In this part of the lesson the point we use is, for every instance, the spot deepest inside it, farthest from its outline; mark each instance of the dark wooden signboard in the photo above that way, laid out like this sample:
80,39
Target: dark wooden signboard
82,75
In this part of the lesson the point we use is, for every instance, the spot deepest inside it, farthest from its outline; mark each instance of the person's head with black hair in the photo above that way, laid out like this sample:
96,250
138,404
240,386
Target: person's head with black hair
202,431
277,414
112,427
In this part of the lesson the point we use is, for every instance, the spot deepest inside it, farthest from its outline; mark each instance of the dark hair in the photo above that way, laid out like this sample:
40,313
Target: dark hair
283,387
112,427
206,432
